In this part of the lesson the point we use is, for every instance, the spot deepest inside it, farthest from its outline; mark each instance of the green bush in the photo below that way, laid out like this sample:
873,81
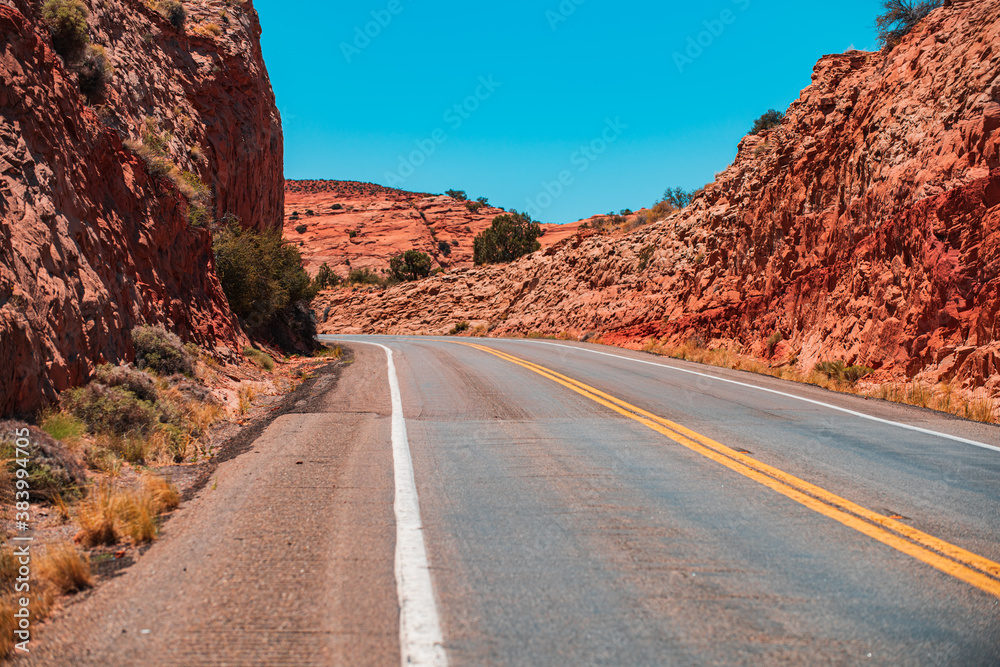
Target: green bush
457,195
444,248
460,327
129,378
900,17
337,207
410,265
301,229
260,273
769,120
351,233
160,351
260,358
93,72
110,409
473,206
67,23
511,235
483,200
365,276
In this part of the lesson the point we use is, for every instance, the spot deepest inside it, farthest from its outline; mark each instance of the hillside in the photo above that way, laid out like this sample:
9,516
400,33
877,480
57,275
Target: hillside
103,192
865,228
386,222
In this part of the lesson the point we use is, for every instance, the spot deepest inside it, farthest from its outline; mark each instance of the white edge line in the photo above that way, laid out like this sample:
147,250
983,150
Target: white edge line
420,638
854,413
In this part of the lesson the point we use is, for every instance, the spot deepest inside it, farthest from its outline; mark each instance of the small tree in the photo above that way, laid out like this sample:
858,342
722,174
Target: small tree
67,22
511,235
768,121
483,200
473,206
457,195
444,248
410,265
326,278
900,17
678,197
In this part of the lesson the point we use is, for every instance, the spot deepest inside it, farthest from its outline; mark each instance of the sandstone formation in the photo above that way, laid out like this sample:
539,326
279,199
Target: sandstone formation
865,228
91,243
386,222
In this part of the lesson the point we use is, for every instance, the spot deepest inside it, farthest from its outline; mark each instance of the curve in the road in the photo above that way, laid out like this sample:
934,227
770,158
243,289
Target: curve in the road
946,557
854,413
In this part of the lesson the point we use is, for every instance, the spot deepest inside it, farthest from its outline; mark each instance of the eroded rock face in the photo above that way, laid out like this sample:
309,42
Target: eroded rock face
386,222
865,228
91,244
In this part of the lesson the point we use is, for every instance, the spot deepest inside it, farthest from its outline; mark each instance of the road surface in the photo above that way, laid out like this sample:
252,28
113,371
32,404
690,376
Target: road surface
546,503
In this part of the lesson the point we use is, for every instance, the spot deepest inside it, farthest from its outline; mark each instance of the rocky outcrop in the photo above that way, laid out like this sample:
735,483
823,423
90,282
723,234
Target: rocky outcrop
864,228
93,244
384,222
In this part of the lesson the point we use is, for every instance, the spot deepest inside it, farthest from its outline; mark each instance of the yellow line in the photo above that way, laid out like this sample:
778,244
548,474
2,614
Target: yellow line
946,557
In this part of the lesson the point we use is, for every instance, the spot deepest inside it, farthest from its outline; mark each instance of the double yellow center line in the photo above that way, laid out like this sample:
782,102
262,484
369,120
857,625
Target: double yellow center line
950,559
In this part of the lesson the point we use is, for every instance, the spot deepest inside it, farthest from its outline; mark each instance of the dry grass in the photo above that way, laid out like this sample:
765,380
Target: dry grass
6,483
108,514
942,397
245,395
65,568
96,515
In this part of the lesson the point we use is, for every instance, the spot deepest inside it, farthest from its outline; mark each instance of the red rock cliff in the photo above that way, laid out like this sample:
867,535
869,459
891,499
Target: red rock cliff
865,228
91,244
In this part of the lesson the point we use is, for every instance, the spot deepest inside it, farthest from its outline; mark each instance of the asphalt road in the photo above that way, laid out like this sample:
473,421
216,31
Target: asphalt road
578,504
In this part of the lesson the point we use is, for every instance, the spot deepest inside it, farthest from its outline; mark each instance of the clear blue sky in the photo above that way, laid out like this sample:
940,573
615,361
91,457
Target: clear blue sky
382,108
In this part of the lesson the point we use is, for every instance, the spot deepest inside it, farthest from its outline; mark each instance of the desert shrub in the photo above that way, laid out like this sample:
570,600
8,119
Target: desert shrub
337,207
260,273
365,276
854,373
301,229
67,23
444,248
53,471
457,195
841,372
351,233
129,378
660,210
483,200
260,358
678,197
160,351
326,278
769,120
113,410
511,235
174,12
900,17
459,327
772,342
410,265
645,255
93,72
473,206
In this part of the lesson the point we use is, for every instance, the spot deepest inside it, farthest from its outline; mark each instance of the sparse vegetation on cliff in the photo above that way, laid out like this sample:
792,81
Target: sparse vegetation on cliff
161,351
410,265
67,23
93,72
769,120
900,17
511,235
326,278
174,12
457,195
